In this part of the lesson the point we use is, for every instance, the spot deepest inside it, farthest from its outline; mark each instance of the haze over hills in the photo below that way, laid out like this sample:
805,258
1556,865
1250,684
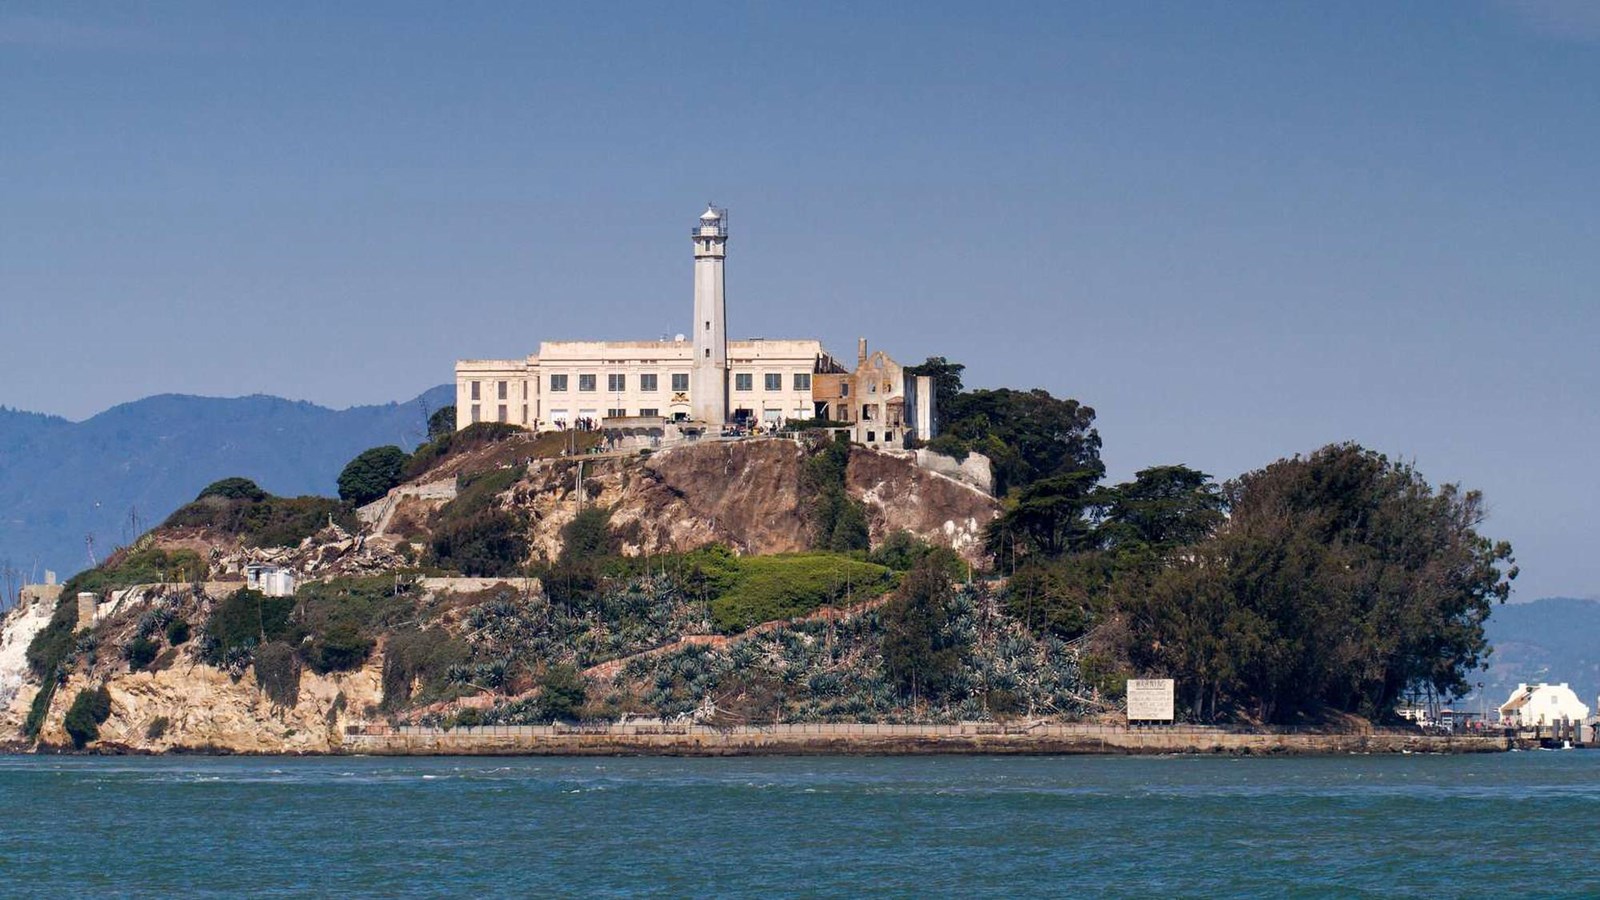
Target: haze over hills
121,472
1555,639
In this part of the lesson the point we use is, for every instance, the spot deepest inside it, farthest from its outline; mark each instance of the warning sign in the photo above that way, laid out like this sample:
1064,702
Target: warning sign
1150,699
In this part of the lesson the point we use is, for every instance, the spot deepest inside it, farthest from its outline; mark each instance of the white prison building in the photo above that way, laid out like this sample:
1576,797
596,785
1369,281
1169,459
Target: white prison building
700,378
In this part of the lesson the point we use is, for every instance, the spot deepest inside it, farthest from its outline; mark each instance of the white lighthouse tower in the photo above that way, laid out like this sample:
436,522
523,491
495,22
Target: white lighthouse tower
708,385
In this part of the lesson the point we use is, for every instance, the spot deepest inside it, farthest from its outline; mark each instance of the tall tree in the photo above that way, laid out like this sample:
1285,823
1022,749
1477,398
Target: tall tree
946,379
1162,508
1340,580
919,650
1029,435
371,474
442,423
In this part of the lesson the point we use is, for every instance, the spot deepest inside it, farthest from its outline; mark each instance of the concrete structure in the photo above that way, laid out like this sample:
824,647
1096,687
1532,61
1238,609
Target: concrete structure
702,378
880,400
88,605
272,580
674,739
1533,705
708,381
32,594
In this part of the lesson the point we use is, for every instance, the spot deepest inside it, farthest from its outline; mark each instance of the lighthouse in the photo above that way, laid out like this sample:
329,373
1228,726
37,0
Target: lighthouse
708,386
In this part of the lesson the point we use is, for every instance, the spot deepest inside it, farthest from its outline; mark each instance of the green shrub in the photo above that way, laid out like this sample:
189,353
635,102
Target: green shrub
371,474
278,673
453,443
784,586
339,649
562,693
267,521
39,708
442,423
141,651
245,619
234,489
413,657
89,710
838,522
53,645
344,616
490,545
157,728
177,632
468,717
478,492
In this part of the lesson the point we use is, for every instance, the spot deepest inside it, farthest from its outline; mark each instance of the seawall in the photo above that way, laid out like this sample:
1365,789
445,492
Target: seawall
864,739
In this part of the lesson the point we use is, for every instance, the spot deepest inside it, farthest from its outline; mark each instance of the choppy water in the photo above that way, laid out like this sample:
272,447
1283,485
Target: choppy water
1355,825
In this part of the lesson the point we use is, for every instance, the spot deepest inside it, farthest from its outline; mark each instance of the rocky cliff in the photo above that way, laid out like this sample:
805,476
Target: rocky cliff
484,643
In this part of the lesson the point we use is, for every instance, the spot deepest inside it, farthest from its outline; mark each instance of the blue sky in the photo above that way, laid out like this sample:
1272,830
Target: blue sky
1237,230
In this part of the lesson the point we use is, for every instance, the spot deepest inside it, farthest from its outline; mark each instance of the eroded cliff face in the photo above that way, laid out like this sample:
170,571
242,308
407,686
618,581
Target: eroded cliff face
747,495
205,709
742,494
900,495
17,629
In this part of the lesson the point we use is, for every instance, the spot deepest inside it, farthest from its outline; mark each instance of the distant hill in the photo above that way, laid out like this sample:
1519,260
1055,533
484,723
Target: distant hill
1555,639
123,471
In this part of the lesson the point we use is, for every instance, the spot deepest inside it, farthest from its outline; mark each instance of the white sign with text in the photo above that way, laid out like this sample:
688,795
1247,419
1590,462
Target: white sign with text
1150,699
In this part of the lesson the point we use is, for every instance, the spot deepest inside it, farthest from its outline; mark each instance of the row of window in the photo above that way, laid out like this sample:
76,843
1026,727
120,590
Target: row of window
648,383
500,390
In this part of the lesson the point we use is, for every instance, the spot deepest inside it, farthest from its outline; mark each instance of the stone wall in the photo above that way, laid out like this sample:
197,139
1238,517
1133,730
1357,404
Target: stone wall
969,737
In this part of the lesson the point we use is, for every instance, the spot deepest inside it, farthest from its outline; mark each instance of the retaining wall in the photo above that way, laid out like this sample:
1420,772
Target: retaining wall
972,737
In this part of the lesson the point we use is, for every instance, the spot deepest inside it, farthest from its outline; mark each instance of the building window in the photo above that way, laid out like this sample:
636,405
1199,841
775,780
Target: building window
502,413
802,381
647,383
616,383
872,437
773,381
680,381
558,383
616,413
867,414
744,381
844,388
586,382
477,414
501,391
708,353
649,412
475,391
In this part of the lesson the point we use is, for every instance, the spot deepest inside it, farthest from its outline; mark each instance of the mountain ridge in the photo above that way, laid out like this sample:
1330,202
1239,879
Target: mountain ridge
116,473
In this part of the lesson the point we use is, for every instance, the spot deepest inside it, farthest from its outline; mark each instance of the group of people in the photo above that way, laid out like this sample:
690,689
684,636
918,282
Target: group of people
583,423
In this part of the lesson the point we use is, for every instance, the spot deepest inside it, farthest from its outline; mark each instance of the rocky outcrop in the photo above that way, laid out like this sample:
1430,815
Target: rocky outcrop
17,630
189,706
936,508
747,495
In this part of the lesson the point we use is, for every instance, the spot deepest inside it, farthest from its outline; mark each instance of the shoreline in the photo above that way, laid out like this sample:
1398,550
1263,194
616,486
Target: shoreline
968,739
891,740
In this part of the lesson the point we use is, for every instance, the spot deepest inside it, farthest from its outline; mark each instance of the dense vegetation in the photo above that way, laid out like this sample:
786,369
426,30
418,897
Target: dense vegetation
1341,581
838,521
238,507
56,642
328,626
371,474
1335,582
472,534
89,710
1027,435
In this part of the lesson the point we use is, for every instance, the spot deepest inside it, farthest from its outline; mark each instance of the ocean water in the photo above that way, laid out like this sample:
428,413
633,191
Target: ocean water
1521,823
